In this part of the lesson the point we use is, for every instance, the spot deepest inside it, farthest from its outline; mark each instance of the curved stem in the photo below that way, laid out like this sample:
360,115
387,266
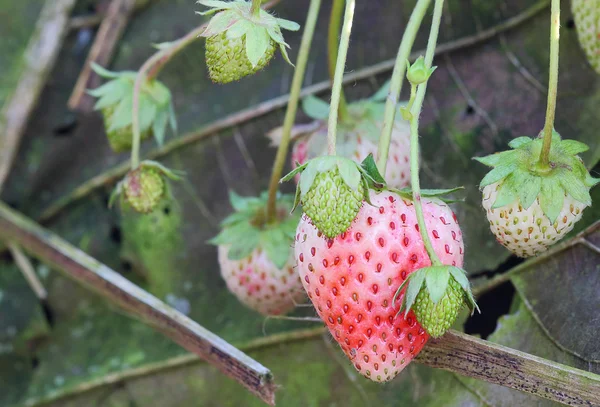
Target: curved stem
335,22
552,85
414,134
255,9
292,107
408,39
150,70
338,77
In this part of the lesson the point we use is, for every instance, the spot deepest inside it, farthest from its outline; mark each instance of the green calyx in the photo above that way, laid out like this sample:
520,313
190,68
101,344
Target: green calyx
436,294
521,177
331,190
246,229
258,31
144,187
115,101
418,73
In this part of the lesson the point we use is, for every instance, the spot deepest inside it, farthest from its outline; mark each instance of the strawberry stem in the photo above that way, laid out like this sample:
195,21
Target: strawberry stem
255,9
340,65
552,85
408,39
292,107
335,22
414,134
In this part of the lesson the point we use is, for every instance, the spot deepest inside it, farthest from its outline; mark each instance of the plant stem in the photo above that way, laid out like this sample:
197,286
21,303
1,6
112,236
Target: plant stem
292,107
151,69
340,65
414,134
408,39
255,9
552,85
335,22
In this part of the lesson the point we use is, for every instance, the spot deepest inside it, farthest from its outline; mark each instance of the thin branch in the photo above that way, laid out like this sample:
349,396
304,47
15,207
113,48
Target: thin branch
38,61
24,264
114,174
120,292
108,36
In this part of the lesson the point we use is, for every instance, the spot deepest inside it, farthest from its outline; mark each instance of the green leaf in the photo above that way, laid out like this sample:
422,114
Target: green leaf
277,245
285,55
497,174
159,126
288,25
243,247
103,72
495,159
238,203
436,281
573,147
308,177
349,173
116,86
276,35
576,188
292,174
552,197
461,277
414,286
326,163
147,113
382,93
519,142
123,114
219,23
239,29
315,108
528,187
257,42
215,5
172,118
506,194
370,167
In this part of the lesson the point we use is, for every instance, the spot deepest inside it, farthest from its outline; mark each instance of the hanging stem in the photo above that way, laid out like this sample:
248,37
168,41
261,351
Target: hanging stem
292,107
408,39
335,22
152,68
336,91
552,85
256,7
414,134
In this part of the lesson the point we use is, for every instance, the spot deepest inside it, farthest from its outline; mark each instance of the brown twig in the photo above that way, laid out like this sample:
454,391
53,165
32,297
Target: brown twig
39,58
108,36
112,175
24,264
87,271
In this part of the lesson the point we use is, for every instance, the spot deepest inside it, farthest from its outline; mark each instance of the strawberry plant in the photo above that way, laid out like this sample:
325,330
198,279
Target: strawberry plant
357,261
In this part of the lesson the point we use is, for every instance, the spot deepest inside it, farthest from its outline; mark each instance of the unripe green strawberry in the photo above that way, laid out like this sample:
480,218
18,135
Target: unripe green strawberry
241,41
143,189
120,139
587,22
530,207
227,60
115,101
436,319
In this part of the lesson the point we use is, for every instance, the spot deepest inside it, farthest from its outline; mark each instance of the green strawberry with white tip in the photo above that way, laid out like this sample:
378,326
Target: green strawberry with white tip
115,101
436,294
240,41
530,208
144,187
586,14
331,191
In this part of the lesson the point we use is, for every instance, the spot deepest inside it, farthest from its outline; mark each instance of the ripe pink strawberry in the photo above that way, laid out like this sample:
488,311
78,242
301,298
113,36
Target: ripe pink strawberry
354,145
352,279
258,283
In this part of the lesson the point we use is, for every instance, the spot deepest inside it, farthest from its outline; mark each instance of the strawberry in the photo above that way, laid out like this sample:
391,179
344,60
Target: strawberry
331,190
240,42
587,22
357,137
256,259
115,101
531,208
352,278
143,188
